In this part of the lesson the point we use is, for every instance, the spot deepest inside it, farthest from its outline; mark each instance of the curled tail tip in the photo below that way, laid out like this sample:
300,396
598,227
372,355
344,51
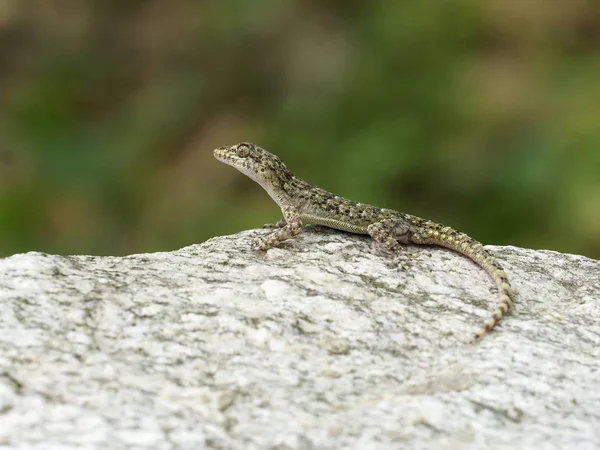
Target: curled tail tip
478,336
490,324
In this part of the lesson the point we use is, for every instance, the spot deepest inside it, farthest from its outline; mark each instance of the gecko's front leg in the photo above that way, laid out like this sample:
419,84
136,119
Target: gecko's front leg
290,228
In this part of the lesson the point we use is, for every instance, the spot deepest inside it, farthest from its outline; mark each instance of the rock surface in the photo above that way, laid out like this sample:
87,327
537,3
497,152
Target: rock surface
320,344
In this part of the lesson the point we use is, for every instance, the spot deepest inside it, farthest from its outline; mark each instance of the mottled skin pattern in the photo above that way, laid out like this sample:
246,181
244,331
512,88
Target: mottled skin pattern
302,202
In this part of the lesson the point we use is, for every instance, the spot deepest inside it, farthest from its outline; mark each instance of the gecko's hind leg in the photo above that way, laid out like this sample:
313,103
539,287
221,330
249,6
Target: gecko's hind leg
391,233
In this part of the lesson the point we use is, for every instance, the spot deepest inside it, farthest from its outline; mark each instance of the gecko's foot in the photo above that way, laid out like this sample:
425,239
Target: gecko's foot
271,226
401,259
397,262
260,244
264,243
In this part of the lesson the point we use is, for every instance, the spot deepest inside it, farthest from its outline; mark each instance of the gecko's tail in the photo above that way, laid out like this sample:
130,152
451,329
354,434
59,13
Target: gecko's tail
504,305
469,247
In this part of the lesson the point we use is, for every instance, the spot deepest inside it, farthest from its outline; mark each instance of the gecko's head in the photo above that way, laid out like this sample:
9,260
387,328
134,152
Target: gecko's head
255,162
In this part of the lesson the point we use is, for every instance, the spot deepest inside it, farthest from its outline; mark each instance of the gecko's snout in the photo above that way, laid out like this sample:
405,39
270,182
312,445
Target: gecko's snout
220,152
234,153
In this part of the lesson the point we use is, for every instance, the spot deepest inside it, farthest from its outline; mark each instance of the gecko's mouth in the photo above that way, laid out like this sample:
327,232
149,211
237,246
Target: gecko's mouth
227,156
224,155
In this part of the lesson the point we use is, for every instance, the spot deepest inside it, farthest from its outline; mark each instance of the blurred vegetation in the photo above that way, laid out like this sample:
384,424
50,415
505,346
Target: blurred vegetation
483,115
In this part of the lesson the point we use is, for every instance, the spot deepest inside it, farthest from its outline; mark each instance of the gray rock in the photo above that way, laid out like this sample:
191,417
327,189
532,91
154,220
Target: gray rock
321,344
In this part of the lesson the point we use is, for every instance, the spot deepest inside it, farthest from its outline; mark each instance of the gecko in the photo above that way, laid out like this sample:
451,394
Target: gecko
301,202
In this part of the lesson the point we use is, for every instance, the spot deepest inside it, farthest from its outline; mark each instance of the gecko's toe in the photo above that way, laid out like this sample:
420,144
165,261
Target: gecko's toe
259,244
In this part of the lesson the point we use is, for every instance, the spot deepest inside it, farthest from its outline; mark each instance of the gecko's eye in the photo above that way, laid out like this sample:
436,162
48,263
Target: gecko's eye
242,150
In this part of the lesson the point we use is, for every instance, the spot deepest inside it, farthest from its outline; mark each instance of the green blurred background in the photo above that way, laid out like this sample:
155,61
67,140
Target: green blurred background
480,114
